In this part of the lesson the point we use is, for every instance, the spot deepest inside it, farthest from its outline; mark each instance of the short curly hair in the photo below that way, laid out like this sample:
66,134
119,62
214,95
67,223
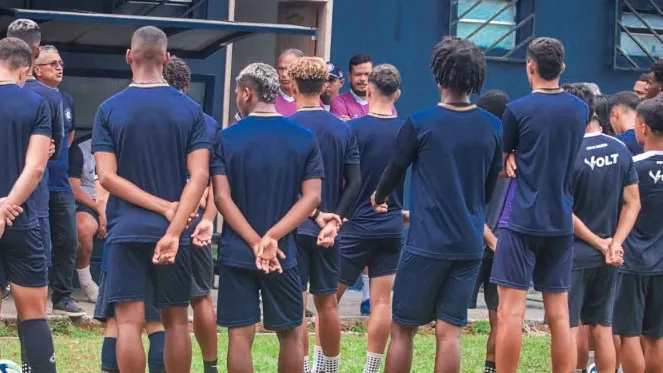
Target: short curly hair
386,79
262,79
458,65
309,73
177,73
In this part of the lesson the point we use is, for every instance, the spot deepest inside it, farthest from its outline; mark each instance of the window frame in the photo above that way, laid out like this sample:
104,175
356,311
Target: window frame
621,59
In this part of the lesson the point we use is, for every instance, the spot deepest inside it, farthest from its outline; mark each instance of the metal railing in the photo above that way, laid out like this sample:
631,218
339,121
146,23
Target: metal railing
641,58
522,29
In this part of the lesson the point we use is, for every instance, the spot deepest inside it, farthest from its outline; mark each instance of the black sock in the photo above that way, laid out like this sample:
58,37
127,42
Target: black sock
108,356
155,355
25,365
490,367
210,366
38,344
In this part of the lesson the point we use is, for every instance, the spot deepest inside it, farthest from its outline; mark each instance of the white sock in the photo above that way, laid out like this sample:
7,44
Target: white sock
331,364
365,290
84,275
307,367
373,362
318,361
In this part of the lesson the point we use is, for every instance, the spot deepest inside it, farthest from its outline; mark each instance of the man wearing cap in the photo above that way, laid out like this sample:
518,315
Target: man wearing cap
332,86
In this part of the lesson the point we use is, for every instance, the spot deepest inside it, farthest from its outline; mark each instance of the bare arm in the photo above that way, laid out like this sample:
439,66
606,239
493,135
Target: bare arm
80,196
231,213
198,165
628,215
581,231
489,237
210,208
35,165
300,211
70,139
123,188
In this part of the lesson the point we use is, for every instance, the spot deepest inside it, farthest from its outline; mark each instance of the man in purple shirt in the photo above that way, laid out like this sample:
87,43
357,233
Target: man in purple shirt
353,104
285,102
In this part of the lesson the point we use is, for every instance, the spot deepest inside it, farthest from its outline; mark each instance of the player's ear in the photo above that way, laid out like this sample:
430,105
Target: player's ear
397,95
128,57
166,58
563,68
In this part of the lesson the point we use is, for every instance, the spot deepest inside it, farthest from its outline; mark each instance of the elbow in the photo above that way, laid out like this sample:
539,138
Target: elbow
315,198
200,176
38,170
105,180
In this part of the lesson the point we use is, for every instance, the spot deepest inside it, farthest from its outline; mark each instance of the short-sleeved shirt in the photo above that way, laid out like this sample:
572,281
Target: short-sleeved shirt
151,130
58,176
266,159
338,148
350,105
631,142
22,115
81,164
545,131
643,249
285,105
603,168
454,151
376,139
54,102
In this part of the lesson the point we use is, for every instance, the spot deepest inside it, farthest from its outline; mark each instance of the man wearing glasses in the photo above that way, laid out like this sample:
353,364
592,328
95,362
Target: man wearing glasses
62,208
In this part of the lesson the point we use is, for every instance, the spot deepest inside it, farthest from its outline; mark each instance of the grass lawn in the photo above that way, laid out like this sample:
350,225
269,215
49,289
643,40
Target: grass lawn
78,351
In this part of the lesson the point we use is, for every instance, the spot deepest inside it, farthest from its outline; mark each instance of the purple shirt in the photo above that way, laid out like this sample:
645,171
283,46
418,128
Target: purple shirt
350,105
506,210
285,105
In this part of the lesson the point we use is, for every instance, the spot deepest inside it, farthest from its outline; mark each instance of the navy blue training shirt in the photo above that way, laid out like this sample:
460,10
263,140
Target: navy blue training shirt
151,130
338,148
22,114
643,249
603,168
631,142
266,159
453,152
58,176
545,131
376,139
54,102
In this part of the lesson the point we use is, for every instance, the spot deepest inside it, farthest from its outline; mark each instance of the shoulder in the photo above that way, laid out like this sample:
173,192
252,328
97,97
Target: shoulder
643,157
494,122
66,96
340,99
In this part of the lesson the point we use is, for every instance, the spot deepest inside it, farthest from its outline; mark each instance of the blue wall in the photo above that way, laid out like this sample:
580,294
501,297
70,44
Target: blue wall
403,33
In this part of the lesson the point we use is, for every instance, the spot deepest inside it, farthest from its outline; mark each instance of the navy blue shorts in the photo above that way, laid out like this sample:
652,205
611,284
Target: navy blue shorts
429,289
592,296
240,292
22,259
489,289
317,265
45,233
380,255
132,275
639,306
104,311
521,259
87,210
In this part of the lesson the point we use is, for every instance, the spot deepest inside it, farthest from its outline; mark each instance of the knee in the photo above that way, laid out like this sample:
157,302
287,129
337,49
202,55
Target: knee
326,304
130,315
446,332
175,317
293,335
402,332
85,233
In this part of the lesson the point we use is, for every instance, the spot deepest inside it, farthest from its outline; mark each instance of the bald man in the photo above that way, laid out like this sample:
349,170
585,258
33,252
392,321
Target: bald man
144,139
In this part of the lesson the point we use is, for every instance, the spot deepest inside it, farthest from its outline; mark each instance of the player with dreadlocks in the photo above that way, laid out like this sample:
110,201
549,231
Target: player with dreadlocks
441,259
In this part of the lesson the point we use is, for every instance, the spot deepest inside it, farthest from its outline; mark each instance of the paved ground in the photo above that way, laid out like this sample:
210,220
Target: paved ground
349,307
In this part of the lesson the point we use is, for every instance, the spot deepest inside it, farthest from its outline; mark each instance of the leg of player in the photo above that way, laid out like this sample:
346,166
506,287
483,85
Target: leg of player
379,323
510,316
633,359
330,330
290,347
86,227
557,311
653,354
305,337
617,341
177,350
204,326
109,348
580,339
604,349
491,343
130,318
401,347
155,355
447,357
240,341
36,334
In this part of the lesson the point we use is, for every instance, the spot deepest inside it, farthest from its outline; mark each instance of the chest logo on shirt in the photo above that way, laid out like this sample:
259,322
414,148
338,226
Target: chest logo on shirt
606,160
67,115
658,176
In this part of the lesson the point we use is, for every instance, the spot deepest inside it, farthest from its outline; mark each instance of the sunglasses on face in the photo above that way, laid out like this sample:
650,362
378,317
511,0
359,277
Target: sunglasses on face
53,64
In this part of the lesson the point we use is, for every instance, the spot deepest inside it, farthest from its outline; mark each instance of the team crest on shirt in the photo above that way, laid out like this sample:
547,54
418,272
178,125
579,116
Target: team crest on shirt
67,115
658,176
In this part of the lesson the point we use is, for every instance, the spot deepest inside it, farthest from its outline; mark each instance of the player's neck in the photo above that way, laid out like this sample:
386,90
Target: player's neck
304,101
593,127
7,77
361,95
287,90
449,97
380,106
544,85
263,108
627,122
147,75
653,143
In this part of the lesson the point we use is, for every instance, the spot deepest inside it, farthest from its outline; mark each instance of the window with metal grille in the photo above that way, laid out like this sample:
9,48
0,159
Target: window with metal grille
638,33
502,28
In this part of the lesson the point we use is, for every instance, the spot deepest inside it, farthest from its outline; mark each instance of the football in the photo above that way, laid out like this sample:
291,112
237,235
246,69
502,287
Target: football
8,366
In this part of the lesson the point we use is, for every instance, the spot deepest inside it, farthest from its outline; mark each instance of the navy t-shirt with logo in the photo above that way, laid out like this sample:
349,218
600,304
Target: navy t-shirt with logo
54,102
643,249
454,152
376,139
603,168
58,175
266,159
545,131
151,130
22,115
338,148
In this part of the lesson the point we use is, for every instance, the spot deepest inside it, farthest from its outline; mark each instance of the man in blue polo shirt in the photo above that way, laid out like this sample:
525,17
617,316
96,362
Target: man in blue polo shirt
441,259
263,196
638,316
543,131
146,140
